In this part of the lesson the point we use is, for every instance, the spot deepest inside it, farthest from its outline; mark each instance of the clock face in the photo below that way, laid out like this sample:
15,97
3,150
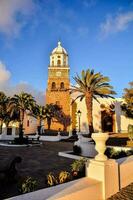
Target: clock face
58,73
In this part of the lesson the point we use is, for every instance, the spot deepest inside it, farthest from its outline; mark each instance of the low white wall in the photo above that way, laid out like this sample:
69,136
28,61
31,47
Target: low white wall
53,138
114,174
4,135
83,188
125,171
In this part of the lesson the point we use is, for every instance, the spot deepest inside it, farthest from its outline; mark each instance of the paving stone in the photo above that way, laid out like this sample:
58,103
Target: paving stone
124,194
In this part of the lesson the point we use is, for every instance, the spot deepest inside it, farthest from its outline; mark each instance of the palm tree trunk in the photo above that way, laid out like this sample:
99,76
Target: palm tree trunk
89,105
1,124
49,123
21,124
39,125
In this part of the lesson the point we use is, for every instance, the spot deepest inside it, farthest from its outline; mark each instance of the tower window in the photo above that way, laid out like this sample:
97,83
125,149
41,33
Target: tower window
53,85
58,56
52,62
62,85
58,62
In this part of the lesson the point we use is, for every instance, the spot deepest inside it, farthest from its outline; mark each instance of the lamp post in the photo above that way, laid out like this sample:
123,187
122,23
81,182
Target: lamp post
79,115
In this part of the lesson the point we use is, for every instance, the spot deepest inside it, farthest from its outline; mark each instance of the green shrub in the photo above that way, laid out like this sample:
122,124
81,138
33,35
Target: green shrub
76,150
64,176
112,153
51,179
78,168
130,132
78,165
21,140
28,184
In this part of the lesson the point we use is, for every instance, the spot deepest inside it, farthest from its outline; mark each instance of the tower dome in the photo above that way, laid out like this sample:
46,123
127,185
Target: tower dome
59,49
59,57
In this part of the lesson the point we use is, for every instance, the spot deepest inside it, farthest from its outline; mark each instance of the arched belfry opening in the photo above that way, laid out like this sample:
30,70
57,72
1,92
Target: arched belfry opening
53,86
62,86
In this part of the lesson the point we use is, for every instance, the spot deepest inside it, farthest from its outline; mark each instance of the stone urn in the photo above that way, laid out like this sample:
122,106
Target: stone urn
100,140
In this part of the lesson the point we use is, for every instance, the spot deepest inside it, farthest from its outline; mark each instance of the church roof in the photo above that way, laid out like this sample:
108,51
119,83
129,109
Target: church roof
59,49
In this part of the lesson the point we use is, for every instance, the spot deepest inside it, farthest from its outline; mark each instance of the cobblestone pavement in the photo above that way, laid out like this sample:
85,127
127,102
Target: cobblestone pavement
37,162
125,194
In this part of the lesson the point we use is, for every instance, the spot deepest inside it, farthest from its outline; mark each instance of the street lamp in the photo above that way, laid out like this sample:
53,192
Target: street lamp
79,115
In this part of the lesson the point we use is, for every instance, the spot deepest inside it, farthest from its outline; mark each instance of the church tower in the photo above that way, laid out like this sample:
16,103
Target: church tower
58,83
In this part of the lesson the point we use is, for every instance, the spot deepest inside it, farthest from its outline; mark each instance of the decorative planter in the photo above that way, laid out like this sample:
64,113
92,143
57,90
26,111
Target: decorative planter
100,140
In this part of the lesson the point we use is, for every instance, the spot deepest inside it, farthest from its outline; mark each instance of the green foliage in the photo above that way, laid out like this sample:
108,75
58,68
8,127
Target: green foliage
20,141
77,171
113,154
127,107
21,103
54,111
76,150
64,176
50,111
52,179
130,131
127,110
90,85
27,185
78,165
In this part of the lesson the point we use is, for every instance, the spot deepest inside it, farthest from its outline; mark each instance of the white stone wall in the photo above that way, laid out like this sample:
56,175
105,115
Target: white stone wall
32,125
120,120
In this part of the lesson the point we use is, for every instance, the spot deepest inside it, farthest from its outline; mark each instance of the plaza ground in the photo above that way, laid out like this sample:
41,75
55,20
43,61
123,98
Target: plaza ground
38,161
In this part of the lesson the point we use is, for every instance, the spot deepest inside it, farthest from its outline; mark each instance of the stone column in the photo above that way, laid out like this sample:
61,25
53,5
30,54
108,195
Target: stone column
102,169
4,133
107,173
118,115
13,132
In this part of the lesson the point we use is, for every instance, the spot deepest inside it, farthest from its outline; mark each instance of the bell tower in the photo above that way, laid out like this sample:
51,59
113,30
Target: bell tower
58,83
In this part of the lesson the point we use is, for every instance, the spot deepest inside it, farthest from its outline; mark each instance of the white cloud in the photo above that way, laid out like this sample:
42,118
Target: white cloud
4,73
89,3
13,15
83,31
114,24
23,86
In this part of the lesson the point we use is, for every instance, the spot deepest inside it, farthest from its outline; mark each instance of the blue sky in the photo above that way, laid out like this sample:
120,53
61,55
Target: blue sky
96,34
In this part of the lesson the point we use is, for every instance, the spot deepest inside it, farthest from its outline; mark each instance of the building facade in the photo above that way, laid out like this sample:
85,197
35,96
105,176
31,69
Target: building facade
107,114
58,85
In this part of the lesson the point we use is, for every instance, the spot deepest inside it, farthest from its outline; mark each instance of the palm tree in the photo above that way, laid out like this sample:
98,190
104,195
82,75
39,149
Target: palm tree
4,115
50,112
21,103
90,86
127,107
62,118
39,114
